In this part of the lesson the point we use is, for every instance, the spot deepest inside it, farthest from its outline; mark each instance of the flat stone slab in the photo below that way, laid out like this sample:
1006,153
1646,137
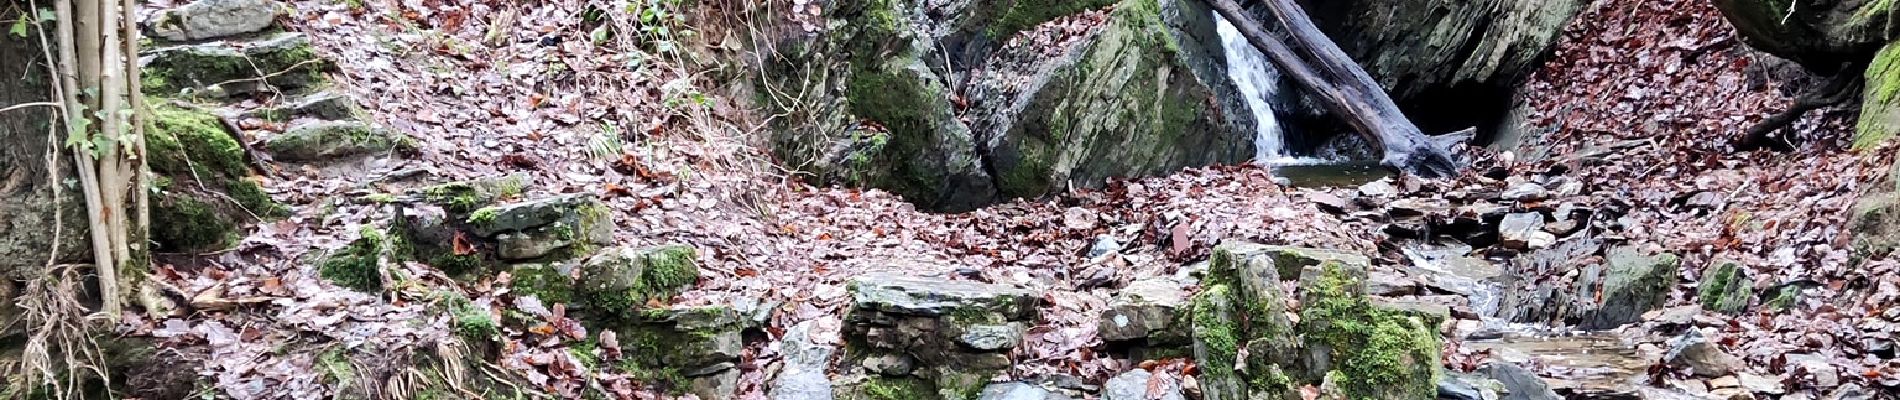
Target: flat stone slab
922,296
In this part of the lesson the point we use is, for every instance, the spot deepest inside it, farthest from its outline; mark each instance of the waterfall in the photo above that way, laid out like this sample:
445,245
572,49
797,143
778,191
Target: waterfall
1258,82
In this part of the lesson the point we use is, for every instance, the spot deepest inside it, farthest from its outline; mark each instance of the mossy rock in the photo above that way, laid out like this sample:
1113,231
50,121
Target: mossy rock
551,283
1634,283
1382,353
357,266
1374,352
1880,102
1726,289
183,223
328,140
619,282
284,59
1127,102
202,191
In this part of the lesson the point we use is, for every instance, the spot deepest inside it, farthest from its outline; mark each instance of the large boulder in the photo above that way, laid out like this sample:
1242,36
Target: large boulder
1880,100
1822,36
929,106
1435,56
1130,98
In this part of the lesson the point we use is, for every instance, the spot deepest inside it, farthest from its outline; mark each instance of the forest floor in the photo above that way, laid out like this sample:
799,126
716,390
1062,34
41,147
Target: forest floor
490,89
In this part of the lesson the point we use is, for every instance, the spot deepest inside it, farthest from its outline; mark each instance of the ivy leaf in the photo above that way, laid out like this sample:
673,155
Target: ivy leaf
19,27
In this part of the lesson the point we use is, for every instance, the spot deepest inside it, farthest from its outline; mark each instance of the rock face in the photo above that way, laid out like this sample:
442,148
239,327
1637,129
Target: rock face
1820,35
1129,94
1415,47
1342,340
1880,101
698,344
209,19
931,338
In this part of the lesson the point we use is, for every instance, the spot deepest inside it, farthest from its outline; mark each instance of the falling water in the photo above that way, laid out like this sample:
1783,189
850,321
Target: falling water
1257,81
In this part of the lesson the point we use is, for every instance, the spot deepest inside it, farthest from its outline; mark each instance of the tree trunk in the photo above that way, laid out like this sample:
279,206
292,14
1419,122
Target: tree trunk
99,98
1319,66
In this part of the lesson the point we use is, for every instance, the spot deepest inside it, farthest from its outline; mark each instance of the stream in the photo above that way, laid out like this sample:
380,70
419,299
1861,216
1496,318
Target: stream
1574,364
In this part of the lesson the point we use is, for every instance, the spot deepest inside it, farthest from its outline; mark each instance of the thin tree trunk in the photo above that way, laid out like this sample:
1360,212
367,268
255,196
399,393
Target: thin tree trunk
1343,87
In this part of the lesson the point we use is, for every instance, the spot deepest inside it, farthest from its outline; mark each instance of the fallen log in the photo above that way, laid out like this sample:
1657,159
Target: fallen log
1343,87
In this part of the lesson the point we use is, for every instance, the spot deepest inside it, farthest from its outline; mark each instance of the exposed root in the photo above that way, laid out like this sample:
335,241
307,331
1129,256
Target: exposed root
61,353
1843,86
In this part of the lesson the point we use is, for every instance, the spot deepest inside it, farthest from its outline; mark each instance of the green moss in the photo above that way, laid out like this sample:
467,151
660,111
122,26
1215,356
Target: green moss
887,388
336,367
1784,298
185,224
1880,110
357,266
459,197
179,139
663,272
185,67
1215,330
252,197
544,282
484,216
473,323
1726,289
1384,353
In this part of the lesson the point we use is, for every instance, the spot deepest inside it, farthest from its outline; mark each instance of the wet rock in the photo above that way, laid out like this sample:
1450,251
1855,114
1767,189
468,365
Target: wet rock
1018,391
315,141
620,281
1337,321
1463,386
1104,245
1378,188
1390,284
1151,310
1633,284
329,105
920,296
1761,384
1700,356
1523,230
570,209
1329,202
1134,385
1726,289
211,19
1520,383
1525,191
889,364
804,363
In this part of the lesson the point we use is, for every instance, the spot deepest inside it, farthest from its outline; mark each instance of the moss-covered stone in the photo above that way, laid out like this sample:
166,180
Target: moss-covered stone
1726,289
327,140
547,282
186,224
283,59
358,265
621,281
1880,108
202,194
1383,354
1239,320
471,321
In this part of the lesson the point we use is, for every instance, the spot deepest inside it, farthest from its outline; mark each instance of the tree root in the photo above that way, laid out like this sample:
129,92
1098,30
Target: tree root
1843,86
